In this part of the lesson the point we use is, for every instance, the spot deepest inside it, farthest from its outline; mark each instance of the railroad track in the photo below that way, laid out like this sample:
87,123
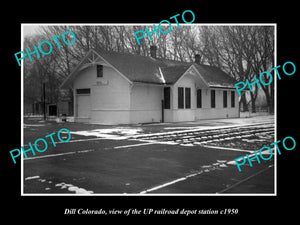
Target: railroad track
248,133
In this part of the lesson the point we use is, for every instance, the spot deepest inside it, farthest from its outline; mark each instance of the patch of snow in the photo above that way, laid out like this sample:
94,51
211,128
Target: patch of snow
83,191
187,145
33,125
117,133
206,166
223,165
31,178
60,184
73,188
266,152
231,162
221,161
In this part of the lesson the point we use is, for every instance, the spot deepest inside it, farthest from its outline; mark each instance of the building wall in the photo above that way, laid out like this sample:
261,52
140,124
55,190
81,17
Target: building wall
145,103
169,113
109,98
188,81
113,100
206,112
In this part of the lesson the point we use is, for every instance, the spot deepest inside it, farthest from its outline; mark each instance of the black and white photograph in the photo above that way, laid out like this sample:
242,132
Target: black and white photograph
144,111
149,117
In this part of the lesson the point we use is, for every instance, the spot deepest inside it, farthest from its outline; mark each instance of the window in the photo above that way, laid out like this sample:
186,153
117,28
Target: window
167,91
199,98
225,99
83,91
213,99
99,71
184,98
232,99
180,97
187,98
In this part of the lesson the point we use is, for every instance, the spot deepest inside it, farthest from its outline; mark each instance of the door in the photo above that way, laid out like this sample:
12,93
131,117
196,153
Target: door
83,103
83,106
52,110
166,102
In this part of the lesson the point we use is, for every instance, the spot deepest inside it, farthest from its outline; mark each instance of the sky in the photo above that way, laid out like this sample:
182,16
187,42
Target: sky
30,29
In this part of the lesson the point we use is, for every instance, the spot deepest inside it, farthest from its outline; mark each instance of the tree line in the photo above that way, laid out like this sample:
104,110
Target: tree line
241,51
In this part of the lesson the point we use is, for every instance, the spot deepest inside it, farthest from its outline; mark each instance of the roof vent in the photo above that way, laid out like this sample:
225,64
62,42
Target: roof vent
197,58
153,49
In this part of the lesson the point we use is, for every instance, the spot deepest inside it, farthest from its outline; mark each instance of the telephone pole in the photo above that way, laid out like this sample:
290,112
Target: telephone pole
44,100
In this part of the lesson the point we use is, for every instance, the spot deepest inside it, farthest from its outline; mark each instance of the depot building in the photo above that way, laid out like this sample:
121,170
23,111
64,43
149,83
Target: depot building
122,88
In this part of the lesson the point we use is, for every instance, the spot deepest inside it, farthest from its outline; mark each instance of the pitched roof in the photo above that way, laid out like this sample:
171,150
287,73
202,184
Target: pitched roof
215,77
137,68
173,73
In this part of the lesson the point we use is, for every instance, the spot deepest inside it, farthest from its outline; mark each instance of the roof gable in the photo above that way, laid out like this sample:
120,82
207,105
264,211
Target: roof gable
215,77
173,73
136,68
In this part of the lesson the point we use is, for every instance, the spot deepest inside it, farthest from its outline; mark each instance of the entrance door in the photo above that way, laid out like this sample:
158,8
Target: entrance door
83,106
83,103
166,102
52,110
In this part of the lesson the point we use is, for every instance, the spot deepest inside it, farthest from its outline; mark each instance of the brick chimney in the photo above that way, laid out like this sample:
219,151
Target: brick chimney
197,58
153,49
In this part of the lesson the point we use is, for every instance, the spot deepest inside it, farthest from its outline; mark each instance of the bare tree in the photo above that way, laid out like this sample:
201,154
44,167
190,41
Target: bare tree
242,51
239,50
263,60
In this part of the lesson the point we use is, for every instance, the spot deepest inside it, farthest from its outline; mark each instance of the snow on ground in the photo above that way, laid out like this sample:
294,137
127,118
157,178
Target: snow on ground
117,133
69,187
220,123
73,188
125,132
33,125
31,178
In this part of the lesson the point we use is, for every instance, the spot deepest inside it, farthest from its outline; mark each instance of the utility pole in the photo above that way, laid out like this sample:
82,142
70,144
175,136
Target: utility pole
44,99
